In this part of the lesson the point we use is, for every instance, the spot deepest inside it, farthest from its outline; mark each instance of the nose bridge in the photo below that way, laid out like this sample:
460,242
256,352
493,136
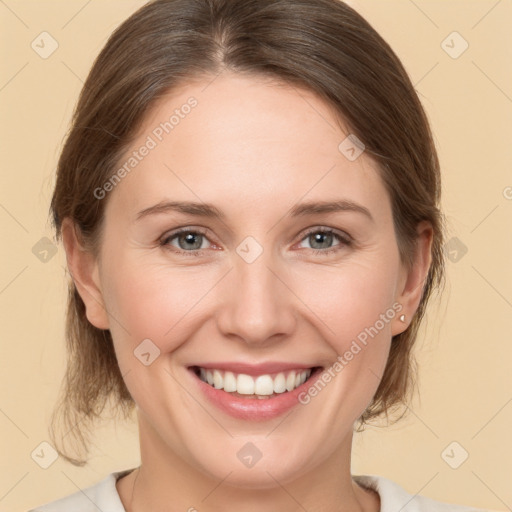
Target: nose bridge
259,305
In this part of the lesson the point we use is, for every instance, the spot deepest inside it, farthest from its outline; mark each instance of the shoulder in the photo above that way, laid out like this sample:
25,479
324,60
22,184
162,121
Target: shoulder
101,496
393,497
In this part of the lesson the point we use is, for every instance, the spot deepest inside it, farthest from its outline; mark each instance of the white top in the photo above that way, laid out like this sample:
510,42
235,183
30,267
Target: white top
393,498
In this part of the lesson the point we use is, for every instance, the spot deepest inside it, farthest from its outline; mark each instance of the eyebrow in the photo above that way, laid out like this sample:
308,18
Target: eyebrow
210,211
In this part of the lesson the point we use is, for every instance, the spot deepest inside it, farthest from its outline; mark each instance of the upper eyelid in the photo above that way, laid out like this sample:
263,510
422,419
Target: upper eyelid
340,233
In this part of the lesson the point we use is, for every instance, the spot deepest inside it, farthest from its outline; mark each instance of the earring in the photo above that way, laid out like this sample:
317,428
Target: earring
402,318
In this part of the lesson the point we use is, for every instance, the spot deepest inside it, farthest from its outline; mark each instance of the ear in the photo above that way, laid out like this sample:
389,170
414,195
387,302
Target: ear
84,270
412,281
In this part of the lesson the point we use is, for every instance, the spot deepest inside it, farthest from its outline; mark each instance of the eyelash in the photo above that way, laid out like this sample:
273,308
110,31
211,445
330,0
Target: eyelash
345,240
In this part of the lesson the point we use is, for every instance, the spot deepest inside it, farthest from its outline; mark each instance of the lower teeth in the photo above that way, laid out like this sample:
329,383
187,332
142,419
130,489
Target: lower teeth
261,397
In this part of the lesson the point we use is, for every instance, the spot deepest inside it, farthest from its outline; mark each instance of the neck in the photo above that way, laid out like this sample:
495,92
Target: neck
170,480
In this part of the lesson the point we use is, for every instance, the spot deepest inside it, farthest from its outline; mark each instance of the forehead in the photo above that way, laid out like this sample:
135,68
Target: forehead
246,142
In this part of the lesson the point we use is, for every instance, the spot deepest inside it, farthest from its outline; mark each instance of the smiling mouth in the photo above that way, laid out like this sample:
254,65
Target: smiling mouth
263,386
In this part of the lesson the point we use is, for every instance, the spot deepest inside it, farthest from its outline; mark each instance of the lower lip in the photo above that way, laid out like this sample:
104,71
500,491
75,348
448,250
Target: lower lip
254,409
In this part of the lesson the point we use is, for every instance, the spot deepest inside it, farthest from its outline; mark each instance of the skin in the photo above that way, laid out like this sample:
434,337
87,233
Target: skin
253,148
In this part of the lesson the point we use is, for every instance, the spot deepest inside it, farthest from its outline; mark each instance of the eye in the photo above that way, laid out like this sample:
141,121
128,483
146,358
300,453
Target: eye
324,237
190,241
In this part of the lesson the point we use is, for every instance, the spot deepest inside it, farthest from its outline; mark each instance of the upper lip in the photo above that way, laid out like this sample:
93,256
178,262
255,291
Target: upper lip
255,369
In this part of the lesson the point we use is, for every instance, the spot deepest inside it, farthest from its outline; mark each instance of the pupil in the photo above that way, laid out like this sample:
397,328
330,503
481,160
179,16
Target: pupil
189,239
318,237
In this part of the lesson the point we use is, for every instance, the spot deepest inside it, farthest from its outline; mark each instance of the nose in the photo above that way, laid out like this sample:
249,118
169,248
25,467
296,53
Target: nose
257,305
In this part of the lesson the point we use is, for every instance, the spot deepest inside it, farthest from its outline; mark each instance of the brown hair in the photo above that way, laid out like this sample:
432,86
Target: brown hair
321,45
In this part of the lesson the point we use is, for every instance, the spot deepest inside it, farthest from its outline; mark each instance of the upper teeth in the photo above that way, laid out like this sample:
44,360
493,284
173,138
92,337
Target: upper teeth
260,385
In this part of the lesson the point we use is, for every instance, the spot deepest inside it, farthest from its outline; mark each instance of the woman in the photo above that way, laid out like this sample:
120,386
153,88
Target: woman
248,199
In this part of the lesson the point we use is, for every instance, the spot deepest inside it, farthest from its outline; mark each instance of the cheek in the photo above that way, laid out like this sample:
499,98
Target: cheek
350,299
355,313
352,309
154,302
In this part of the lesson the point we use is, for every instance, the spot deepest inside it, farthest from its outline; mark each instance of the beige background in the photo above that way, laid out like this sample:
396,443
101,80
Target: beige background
466,347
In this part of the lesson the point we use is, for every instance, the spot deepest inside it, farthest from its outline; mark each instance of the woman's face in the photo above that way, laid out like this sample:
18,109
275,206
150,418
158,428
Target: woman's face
255,283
